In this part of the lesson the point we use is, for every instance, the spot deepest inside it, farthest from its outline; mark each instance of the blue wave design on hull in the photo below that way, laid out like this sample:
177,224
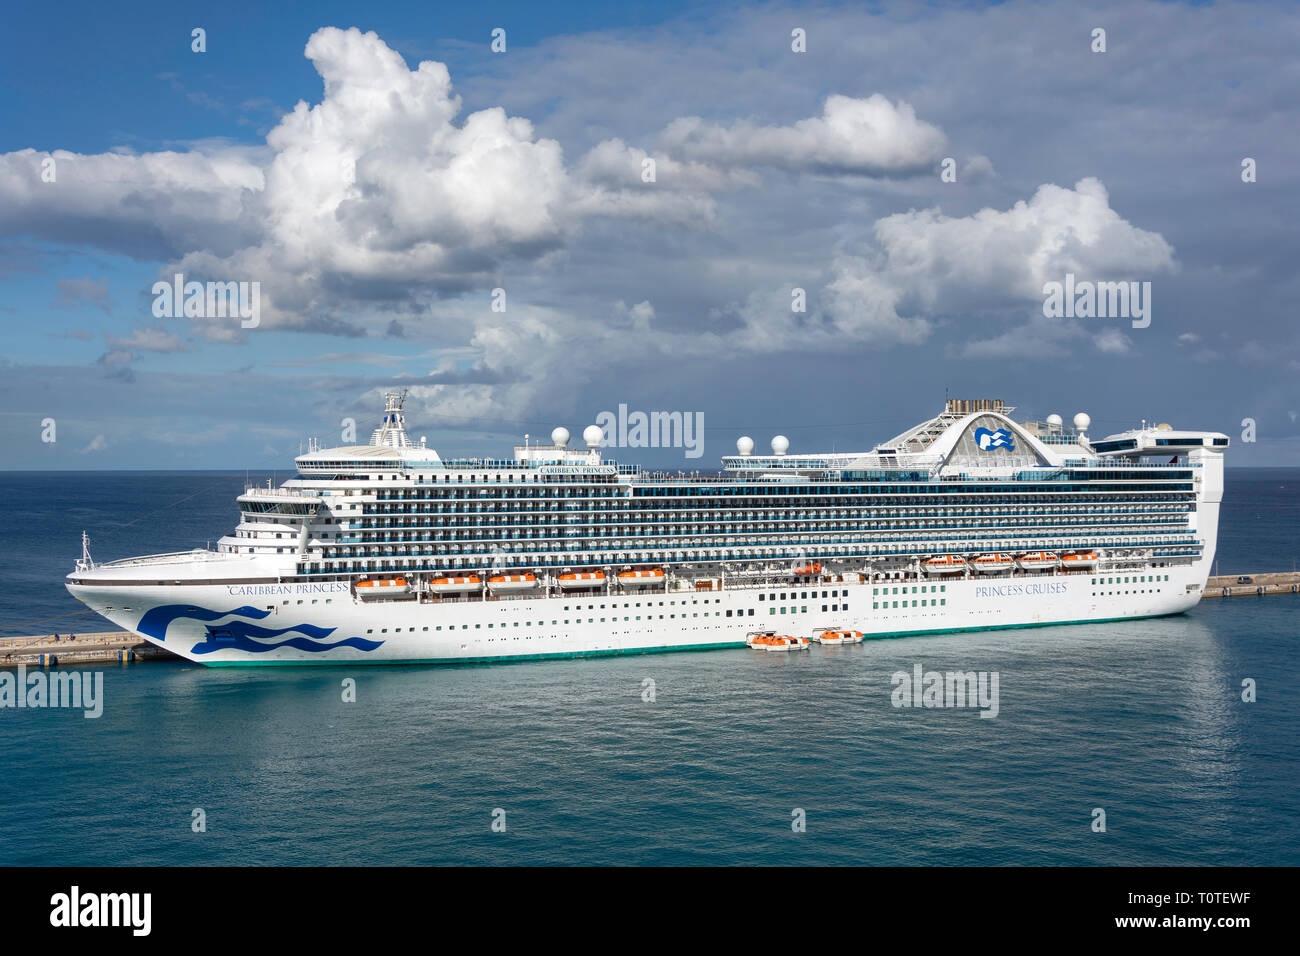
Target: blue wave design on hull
238,635
241,635
156,620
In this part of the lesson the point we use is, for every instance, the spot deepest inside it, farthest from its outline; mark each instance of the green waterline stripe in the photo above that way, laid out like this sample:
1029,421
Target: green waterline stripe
496,659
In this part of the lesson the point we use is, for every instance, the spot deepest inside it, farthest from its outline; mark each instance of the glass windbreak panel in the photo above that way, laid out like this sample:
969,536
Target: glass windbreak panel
989,440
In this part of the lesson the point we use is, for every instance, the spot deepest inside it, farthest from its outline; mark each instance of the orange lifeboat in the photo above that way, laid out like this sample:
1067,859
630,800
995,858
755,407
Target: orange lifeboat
1080,561
582,579
992,563
641,579
814,568
783,642
758,639
944,564
456,585
1038,561
831,635
503,583
382,587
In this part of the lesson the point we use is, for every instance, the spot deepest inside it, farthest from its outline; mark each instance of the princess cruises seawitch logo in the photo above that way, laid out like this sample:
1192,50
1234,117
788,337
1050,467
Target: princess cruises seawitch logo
998,438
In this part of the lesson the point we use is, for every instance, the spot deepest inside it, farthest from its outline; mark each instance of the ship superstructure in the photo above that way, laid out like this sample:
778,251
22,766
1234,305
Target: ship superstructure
388,552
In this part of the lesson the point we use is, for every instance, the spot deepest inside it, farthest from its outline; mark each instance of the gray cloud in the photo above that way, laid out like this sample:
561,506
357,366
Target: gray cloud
1120,164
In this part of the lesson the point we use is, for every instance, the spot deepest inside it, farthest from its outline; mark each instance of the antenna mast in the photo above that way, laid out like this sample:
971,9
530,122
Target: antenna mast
86,562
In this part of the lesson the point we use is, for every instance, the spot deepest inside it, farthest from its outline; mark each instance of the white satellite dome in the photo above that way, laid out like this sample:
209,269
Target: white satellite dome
780,445
560,437
1055,420
745,445
1082,421
593,435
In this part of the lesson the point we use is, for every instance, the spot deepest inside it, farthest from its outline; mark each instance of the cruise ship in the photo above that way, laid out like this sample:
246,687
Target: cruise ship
388,552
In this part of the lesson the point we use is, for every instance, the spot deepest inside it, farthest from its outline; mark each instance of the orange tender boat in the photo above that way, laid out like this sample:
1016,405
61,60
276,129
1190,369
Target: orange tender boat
832,635
783,642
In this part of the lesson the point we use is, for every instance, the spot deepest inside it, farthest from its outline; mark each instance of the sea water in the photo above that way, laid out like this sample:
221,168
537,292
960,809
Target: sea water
716,757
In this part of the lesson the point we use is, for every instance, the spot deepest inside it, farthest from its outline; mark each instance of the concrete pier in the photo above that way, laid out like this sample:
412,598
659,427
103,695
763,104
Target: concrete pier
106,647
1263,583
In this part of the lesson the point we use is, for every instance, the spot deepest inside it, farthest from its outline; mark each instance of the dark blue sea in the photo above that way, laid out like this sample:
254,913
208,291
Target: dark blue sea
1143,720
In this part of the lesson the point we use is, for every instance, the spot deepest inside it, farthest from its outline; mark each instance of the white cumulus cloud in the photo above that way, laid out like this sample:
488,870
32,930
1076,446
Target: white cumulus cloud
870,136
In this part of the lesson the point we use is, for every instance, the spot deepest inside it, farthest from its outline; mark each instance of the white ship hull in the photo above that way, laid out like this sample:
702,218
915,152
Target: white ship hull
323,623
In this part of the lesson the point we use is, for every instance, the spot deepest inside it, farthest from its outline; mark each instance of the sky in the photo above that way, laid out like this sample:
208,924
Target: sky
806,219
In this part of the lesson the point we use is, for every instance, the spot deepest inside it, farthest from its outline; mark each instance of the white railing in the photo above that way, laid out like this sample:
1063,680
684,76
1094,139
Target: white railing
254,491
172,557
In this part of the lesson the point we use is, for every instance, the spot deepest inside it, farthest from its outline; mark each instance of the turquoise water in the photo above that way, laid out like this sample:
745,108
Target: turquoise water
1143,719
